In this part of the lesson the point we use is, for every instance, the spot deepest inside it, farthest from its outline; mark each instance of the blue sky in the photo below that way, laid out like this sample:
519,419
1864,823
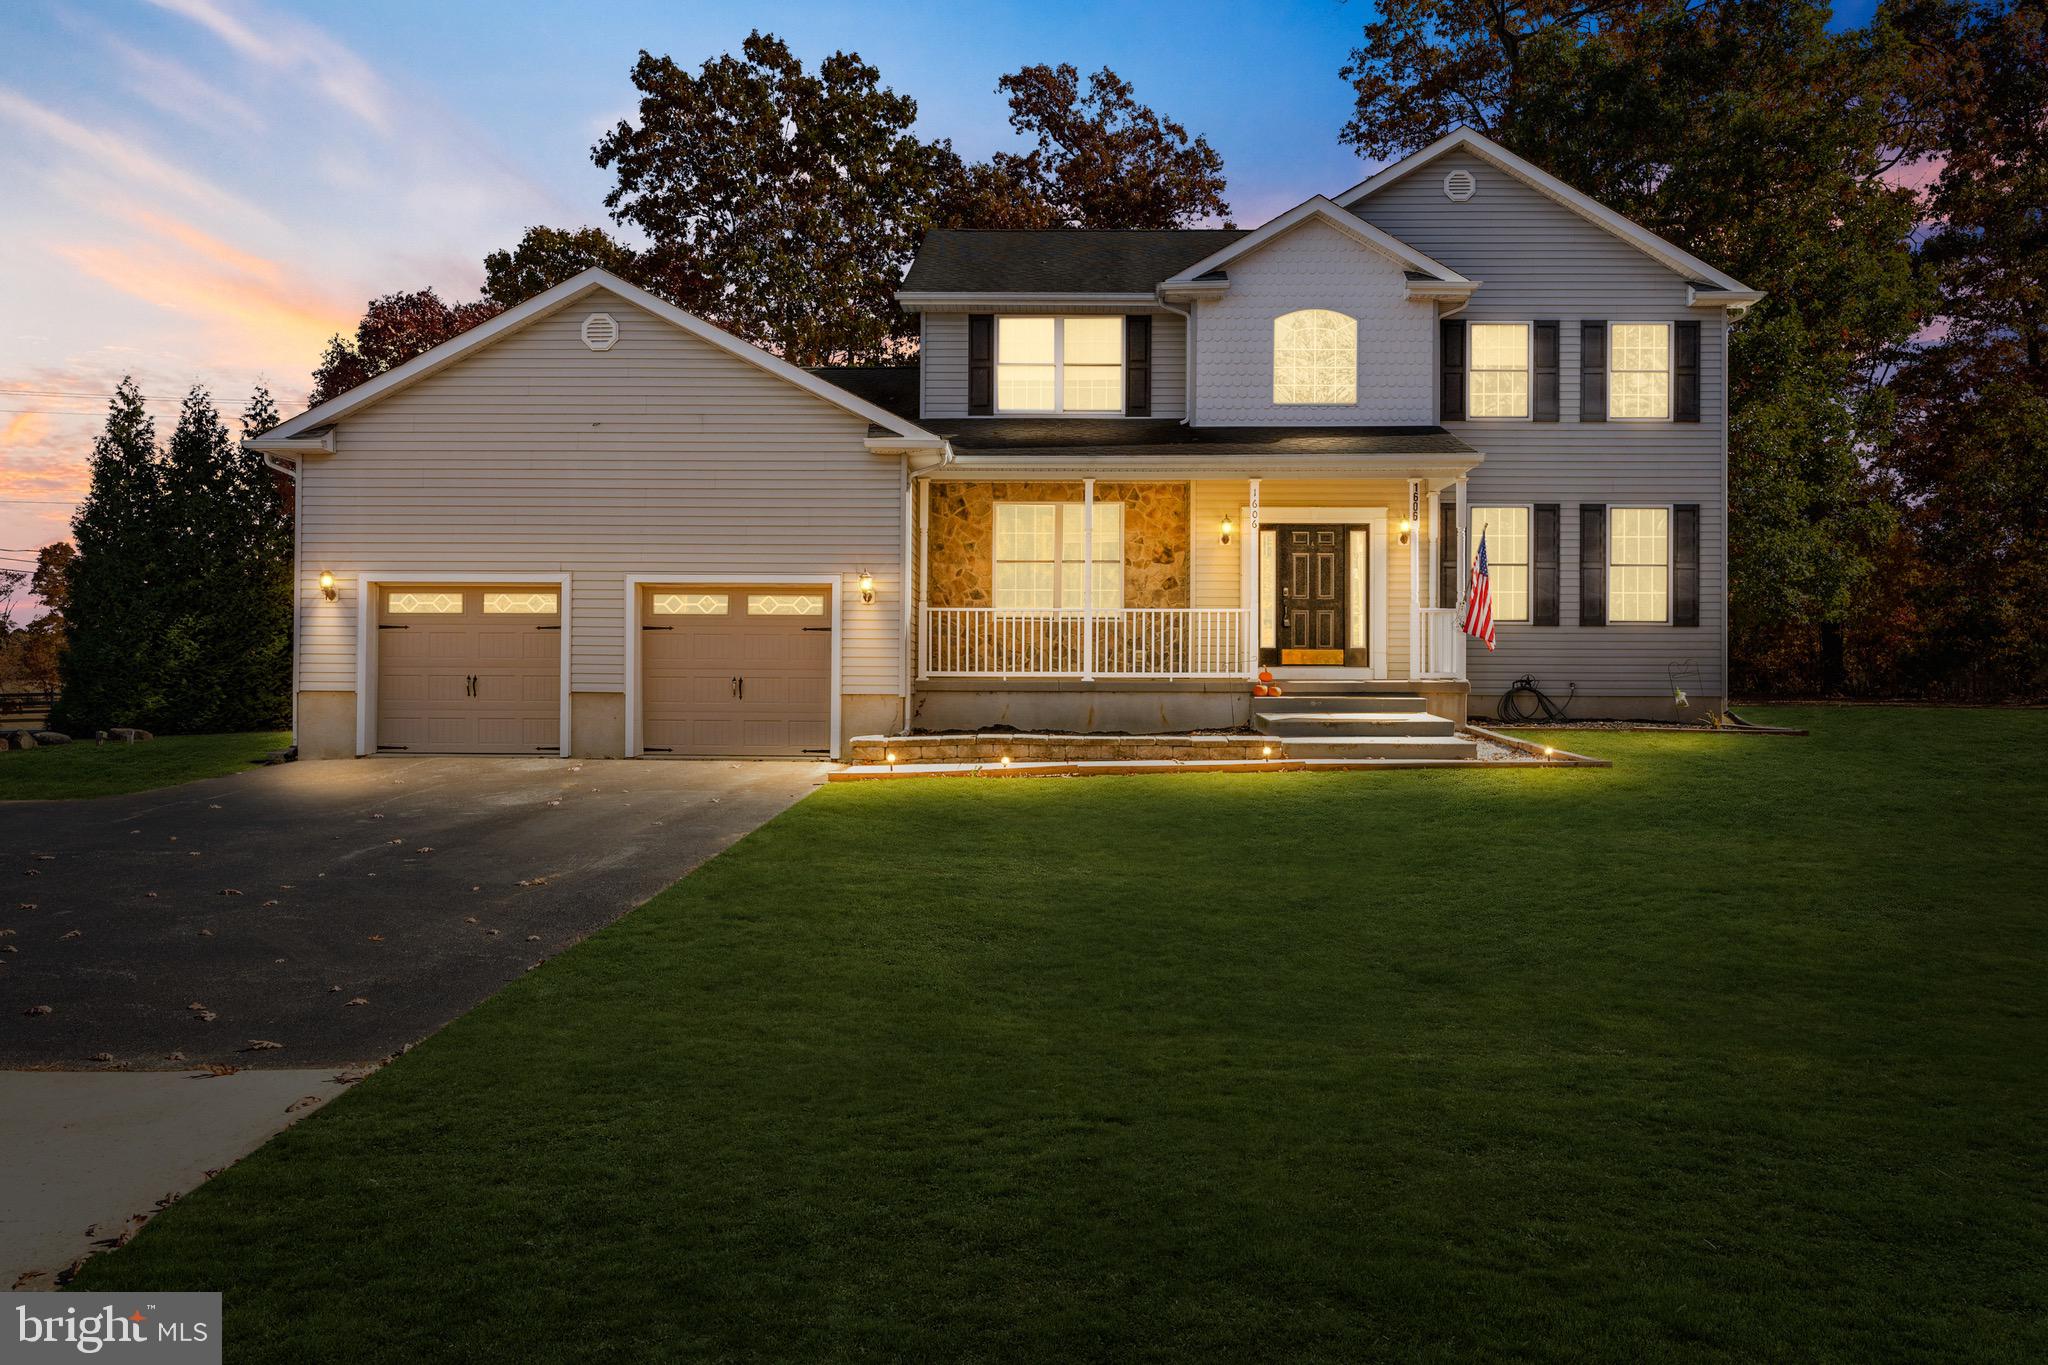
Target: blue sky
204,190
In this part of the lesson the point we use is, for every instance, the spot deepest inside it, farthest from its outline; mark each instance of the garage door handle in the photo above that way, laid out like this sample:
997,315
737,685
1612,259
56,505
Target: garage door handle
739,687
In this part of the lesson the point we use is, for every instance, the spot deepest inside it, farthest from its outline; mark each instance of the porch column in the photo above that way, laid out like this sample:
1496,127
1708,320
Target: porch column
1248,575
1415,641
1087,580
924,577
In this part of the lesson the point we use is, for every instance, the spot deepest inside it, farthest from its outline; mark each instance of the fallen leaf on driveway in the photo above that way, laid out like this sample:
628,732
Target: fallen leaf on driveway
8,948
206,933
296,1105
7,933
103,1056
476,888
219,1069
376,938
175,1057
398,841
469,919
75,933
44,857
33,1010
262,1045
423,850
229,891
333,990
27,905
267,904
206,1016
357,1001
376,817
211,806
150,894
533,938
491,932
30,872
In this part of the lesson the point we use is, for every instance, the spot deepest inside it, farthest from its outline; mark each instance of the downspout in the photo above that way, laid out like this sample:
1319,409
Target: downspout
291,471
1187,357
903,579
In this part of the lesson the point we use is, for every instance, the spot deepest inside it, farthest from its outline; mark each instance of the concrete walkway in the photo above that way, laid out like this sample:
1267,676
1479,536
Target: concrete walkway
91,1156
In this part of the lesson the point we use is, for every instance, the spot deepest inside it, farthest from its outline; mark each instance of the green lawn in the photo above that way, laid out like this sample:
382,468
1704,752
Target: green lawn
1732,1051
83,768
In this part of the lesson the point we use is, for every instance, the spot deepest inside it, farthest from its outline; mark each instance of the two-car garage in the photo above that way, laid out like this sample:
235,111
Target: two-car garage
722,669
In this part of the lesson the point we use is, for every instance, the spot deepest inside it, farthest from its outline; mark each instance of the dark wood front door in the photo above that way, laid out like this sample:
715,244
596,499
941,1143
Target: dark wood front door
1313,598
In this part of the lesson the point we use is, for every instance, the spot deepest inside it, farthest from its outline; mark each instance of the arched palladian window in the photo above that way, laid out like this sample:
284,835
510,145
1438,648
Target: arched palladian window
1315,357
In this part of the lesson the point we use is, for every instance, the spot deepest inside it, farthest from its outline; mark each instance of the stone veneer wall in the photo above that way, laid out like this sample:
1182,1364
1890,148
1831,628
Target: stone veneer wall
963,533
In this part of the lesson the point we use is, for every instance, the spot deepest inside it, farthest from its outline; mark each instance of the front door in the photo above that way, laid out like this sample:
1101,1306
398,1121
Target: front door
1312,597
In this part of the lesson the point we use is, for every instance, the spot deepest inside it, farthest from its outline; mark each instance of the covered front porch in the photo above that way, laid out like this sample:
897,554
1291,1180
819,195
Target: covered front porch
1146,599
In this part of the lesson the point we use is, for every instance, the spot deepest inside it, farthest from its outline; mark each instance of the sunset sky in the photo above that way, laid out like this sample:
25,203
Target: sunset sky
202,191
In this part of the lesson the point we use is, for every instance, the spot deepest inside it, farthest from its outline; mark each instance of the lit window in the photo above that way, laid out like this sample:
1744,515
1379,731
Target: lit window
1507,558
424,603
1638,563
1639,382
1315,357
785,604
519,603
1060,364
689,604
1038,562
1500,369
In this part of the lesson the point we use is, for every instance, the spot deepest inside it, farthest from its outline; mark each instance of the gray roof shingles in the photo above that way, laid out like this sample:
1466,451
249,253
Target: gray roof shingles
1059,260
1026,435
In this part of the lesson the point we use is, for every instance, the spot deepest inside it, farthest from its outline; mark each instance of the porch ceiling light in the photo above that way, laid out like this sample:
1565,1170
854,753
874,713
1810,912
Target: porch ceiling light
327,585
1226,528
867,586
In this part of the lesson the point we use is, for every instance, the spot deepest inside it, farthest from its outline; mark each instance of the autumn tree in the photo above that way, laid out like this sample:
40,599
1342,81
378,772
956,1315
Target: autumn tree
1759,140
546,256
1098,159
394,329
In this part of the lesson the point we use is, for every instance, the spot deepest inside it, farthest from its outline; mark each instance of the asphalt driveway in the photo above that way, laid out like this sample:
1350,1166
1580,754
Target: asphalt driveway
272,900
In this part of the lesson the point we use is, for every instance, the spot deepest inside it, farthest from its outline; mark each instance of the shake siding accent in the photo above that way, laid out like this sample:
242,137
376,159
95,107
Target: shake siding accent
943,365
1315,266
1214,568
664,453
1540,260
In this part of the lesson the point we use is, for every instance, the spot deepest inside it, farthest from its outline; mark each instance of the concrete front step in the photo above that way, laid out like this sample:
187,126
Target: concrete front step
1400,746
1380,702
1333,724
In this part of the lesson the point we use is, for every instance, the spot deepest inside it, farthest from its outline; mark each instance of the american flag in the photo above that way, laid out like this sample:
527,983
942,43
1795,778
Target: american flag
1479,602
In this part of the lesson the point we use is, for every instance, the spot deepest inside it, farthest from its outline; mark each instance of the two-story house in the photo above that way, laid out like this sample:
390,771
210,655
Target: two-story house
1130,472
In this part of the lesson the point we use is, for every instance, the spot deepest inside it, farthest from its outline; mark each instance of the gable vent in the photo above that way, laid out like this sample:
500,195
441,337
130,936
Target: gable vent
1460,185
600,332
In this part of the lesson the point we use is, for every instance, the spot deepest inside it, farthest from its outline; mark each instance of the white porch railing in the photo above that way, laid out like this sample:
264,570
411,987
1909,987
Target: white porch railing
1443,643
1128,642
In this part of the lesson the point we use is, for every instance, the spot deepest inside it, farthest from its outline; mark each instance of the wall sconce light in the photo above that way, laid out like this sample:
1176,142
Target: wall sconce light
867,586
1407,530
327,585
1226,528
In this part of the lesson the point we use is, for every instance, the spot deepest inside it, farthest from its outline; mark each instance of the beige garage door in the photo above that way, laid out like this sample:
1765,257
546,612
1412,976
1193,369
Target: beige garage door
469,670
736,671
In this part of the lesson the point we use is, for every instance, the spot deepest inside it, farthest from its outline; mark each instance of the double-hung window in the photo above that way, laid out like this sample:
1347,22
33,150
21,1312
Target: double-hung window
1639,564
1500,370
1639,372
1059,364
1038,563
1507,558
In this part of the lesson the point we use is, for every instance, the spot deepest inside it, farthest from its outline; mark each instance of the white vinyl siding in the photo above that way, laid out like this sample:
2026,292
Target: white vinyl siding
1540,260
663,455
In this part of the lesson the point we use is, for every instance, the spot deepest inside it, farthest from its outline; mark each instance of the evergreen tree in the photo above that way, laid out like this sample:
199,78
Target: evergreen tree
112,672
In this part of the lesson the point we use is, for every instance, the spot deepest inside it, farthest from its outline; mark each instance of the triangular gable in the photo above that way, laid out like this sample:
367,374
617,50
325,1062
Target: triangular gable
1674,258
1326,211
293,435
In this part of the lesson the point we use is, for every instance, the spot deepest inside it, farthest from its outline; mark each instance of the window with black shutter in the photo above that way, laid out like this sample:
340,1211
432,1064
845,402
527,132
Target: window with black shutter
1685,376
981,364
1592,371
1543,563
1138,366
1592,564
1685,564
1545,403
1451,400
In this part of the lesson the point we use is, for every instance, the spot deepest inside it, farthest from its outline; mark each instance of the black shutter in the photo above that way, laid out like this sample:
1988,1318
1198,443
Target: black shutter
1452,400
1685,563
1685,367
1592,564
1138,366
1448,568
1543,557
1545,406
981,364
1592,372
